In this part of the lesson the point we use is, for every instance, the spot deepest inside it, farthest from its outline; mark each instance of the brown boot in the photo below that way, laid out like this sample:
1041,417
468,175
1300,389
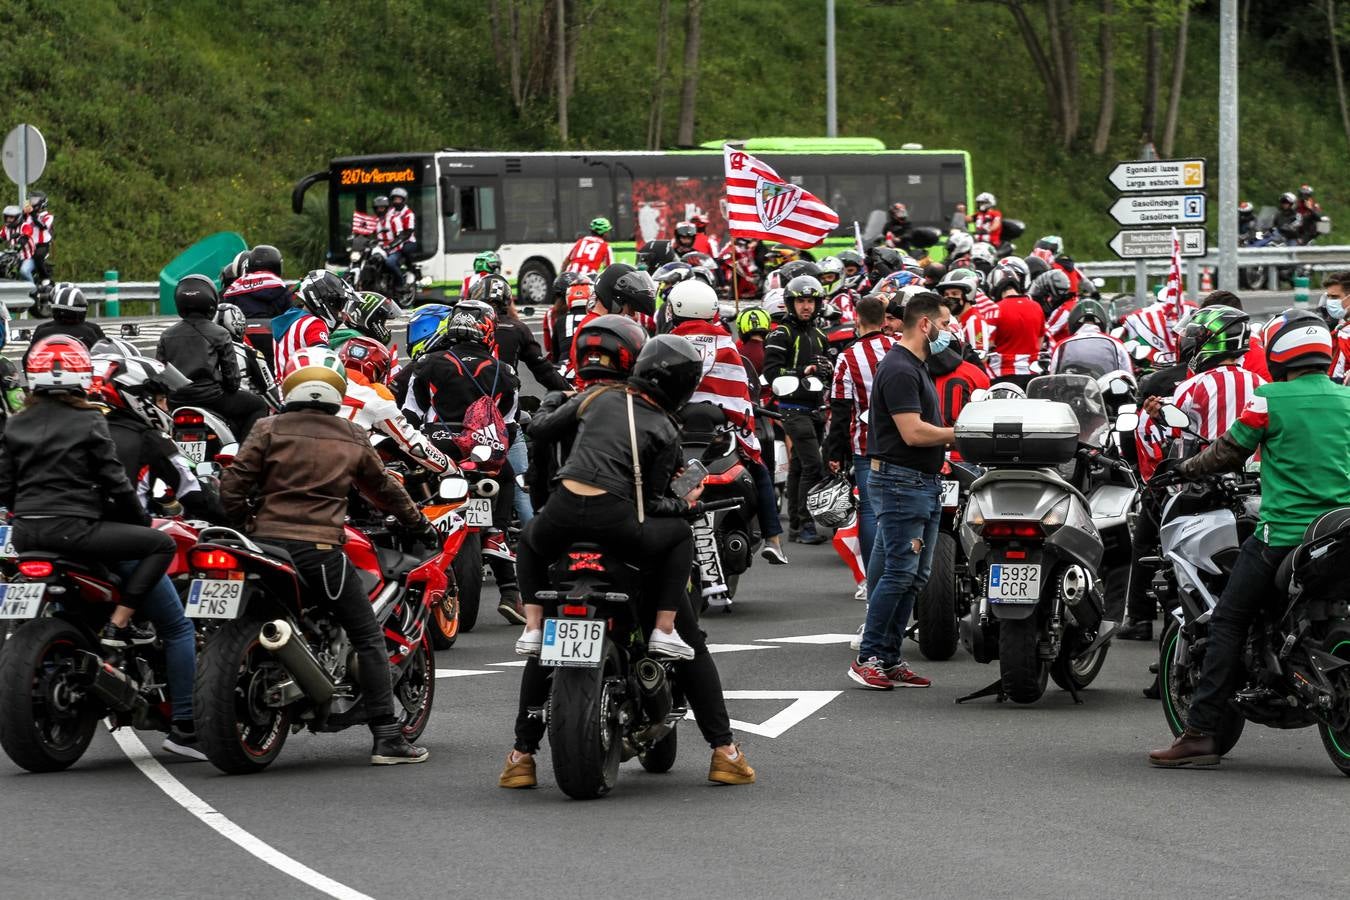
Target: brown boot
731,771
517,774
1191,748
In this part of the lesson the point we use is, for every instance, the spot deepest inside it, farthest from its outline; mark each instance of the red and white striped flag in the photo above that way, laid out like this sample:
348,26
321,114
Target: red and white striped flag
364,223
762,205
1175,291
849,549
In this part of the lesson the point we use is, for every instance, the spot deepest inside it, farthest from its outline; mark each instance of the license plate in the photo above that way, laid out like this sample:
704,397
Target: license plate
477,512
572,642
7,550
214,598
21,600
951,493
1014,584
193,450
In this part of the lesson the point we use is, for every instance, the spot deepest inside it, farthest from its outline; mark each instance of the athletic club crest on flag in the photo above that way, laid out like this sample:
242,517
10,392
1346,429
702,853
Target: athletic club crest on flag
775,202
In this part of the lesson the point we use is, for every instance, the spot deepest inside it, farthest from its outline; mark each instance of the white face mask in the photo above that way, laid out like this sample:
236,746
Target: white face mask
1335,306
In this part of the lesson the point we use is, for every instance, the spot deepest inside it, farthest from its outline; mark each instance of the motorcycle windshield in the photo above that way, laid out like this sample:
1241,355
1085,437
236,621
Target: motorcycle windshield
1084,398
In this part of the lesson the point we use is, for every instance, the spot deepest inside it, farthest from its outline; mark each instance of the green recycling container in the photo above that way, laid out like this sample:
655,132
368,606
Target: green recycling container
206,257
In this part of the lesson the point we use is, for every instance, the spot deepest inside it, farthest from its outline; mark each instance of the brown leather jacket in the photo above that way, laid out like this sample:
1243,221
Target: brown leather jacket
302,465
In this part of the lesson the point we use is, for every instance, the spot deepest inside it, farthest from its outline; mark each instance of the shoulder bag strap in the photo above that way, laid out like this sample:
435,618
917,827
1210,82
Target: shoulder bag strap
637,466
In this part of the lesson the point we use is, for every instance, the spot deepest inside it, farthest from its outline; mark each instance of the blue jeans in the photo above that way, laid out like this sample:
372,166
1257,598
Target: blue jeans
518,455
163,606
394,261
908,506
26,269
769,524
867,520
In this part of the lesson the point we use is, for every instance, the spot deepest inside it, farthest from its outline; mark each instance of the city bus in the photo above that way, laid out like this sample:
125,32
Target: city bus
531,206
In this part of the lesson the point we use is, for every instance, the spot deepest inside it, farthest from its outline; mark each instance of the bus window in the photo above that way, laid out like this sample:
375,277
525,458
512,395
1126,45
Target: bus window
471,222
921,195
421,198
856,197
531,215
582,198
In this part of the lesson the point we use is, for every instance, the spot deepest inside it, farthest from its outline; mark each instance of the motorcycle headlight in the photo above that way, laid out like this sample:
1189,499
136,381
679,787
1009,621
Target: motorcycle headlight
1058,514
974,515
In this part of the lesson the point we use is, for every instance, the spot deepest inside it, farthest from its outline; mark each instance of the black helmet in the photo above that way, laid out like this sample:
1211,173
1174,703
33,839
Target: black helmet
265,258
1297,339
381,200
68,303
195,295
622,285
1051,288
38,201
668,369
608,347
790,270
494,290
323,294
882,261
233,269
1087,311
686,230
655,254
565,281
850,258
470,322
1036,267
804,287
1214,334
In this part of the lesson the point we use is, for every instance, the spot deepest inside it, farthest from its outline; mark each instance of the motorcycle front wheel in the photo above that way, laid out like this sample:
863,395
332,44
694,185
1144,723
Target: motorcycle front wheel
46,721
239,732
1021,670
935,608
1336,737
415,691
585,736
1176,684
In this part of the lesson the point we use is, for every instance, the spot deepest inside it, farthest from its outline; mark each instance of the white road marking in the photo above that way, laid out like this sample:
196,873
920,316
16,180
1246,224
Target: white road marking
457,673
513,664
733,648
804,705
151,768
809,639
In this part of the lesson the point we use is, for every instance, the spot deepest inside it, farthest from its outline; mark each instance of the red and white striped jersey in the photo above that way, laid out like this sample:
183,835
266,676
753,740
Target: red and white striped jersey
1213,400
854,371
1057,323
976,331
40,230
469,281
725,382
1153,325
986,306
1017,337
588,255
395,222
1340,352
306,331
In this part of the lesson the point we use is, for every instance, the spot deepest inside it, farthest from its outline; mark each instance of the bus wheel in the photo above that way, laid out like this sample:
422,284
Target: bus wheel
534,283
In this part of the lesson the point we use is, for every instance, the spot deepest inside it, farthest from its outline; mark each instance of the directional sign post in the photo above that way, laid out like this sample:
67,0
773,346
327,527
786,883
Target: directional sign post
1159,209
1158,192
25,156
1156,243
1158,175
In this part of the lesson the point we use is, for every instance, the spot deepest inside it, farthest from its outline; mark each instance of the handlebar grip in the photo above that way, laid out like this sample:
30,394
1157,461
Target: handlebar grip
715,505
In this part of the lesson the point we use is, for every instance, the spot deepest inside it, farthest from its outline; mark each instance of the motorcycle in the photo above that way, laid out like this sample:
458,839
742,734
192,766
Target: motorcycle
1028,533
947,596
725,540
56,681
11,258
609,700
368,270
276,664
202,435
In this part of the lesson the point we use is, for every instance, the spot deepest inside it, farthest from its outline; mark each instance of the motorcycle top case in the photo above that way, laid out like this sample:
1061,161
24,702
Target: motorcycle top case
1017,433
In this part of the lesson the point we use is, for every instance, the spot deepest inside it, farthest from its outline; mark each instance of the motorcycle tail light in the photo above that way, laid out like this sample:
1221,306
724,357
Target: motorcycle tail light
726,477
574,610
188,418
1013,530
584,562
35,568
211,558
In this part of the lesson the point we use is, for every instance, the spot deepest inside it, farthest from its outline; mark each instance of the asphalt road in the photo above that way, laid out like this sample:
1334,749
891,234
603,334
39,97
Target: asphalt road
890,794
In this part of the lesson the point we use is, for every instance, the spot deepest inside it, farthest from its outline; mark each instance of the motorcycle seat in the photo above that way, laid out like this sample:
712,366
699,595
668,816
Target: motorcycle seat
1284,574
394,563
276,552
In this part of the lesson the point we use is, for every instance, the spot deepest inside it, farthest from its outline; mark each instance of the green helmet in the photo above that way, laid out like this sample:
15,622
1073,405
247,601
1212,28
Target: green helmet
1214,334
600,226
487,262
1087,310
752,320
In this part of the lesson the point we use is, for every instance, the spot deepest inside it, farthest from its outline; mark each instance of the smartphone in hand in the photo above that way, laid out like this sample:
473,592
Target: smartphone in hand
692,476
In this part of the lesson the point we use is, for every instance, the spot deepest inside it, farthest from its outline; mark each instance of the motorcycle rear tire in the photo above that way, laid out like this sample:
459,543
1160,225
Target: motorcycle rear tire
1176,695
468,568
1077,674
584,734
217,693
936,606
661,758
26,734
1022,672
1337,741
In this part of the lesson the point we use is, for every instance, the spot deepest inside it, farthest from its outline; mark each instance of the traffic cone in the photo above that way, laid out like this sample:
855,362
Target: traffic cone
1206,280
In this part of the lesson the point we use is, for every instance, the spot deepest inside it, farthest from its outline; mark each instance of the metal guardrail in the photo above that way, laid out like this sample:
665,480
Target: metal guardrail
15,294
1319,259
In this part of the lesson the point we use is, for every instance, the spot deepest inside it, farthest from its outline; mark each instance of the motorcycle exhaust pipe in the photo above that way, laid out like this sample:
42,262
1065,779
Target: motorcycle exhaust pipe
656,699
488,487
110,684
280,639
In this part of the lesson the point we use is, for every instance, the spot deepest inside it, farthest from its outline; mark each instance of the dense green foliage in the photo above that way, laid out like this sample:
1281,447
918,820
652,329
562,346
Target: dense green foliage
170,119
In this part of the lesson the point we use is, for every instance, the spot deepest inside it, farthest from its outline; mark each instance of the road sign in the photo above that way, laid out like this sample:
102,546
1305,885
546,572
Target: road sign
1156,243
1160,209
24,154
1158,175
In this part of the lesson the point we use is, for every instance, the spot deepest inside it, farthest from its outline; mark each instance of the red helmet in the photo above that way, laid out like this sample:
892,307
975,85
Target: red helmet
367,356
59,364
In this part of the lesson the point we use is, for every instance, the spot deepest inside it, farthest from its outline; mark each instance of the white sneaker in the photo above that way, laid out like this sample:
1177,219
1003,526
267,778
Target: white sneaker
856,643
668,643
861,592
774,554
530,642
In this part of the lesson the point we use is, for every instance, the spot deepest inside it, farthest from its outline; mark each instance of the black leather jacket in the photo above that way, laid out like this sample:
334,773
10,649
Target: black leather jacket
204,353
147,454
793,347
602,454
516,344
86,332
59,460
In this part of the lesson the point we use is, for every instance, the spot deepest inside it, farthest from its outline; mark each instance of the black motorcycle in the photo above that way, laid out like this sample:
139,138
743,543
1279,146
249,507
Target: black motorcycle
368,270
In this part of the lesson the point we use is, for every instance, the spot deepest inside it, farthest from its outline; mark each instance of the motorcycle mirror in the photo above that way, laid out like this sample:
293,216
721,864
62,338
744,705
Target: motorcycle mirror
1175,418
230,450
1127,408
206,470
1127,422
160,490
454,488
1119,386
814,384
1037,368
978,394
481,453
1140,351
1099,282
527,311
784,385
130,329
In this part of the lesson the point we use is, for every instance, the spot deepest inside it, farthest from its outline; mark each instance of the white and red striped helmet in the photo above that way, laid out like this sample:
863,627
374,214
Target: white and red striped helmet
314,377
59,364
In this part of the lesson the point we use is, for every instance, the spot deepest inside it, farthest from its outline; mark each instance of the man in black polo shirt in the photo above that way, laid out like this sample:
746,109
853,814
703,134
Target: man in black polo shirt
905,444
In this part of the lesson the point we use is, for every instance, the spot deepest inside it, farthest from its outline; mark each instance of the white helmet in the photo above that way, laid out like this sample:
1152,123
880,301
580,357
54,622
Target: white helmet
959,244
315,377
984,200
832,266
774,304
984,252
692,299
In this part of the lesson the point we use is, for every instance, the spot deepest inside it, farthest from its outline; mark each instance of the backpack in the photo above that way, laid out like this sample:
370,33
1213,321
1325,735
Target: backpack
483,426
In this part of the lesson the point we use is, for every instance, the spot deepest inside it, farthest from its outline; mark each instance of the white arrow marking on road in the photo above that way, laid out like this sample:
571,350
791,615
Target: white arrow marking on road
457,673
809,639
733,648
513,664
151,768
804,704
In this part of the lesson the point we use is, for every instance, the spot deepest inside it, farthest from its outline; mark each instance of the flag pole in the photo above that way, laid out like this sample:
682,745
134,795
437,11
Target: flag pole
735,279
